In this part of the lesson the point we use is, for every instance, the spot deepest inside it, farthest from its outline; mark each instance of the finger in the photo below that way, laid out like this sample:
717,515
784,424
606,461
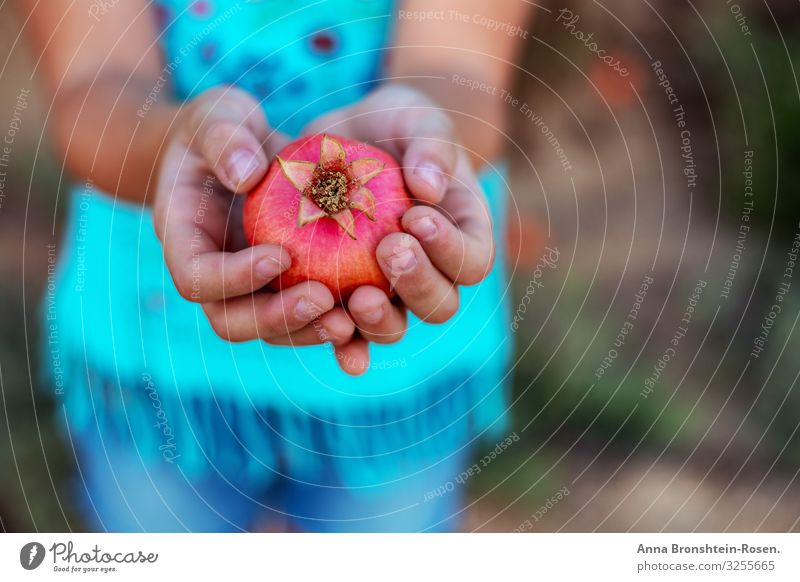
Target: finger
268,315
376,317
423,289
200,270
463,256
235,104
418,132
234,154
408,125
194,226
233,136
353,357
225,275
333,327
429,156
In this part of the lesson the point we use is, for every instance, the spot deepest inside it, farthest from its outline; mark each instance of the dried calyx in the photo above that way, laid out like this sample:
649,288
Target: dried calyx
332,187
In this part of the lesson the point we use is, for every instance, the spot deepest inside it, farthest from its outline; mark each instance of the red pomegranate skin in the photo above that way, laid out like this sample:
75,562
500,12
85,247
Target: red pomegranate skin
333,244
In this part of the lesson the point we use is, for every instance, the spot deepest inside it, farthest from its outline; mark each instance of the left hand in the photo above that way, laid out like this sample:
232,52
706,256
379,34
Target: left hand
449,240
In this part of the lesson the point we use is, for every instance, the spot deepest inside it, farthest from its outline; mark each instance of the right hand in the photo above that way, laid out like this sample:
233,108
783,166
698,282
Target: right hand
219,150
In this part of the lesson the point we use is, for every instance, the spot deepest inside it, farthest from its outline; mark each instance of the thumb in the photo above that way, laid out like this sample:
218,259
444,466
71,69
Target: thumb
229,130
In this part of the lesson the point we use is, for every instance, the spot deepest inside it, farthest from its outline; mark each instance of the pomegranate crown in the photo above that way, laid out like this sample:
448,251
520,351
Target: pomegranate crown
332,187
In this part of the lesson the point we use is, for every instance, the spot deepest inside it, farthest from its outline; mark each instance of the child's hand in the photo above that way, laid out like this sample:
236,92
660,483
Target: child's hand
452,239
214,154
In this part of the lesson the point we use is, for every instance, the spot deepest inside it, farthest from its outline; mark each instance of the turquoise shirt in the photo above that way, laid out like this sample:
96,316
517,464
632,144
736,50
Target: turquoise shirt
145,365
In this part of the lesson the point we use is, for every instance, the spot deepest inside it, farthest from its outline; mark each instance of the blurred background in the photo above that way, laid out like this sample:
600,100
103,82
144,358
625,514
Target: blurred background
651,234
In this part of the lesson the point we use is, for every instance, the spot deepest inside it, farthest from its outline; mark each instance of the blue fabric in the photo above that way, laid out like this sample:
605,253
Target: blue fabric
144,369
301,57
119,492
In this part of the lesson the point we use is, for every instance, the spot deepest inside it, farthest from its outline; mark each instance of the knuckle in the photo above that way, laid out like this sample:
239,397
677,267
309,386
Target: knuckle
438,146
478,262
235,283
219,324
235,93
417,287
246,103
402,94
443,126
334,336
445,310
470,277
272,326
230,96
216,93
474,274
389,336
218,134
429,120
491,258
221,103
186,287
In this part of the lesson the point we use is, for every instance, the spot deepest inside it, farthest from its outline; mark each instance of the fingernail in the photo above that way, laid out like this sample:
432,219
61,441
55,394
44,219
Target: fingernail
402,261
373,316
269,268
432,175
241,165
306,310
423,228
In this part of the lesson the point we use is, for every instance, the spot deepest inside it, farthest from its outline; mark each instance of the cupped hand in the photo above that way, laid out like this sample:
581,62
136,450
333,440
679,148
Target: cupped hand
219,150
448,240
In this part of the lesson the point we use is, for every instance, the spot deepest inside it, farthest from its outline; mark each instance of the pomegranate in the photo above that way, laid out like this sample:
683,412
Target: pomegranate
328,201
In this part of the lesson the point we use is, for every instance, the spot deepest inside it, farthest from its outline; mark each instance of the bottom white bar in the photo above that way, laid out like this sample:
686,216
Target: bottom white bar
401,557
